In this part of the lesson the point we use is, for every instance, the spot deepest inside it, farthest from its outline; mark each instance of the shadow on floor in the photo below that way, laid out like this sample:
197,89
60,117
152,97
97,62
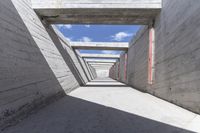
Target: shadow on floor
73,115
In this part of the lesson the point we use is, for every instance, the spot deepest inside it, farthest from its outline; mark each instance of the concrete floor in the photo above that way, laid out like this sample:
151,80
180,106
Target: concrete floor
107,106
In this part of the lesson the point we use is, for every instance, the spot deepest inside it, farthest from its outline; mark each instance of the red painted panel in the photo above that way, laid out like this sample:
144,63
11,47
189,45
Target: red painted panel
118,71
150,80
125,67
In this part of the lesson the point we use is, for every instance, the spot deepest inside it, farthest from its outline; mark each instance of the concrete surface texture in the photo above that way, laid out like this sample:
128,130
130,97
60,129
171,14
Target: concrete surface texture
96,63
102,65
115,71
98,11
92,70
71,56
138,61
107,106
112,72
100,60
97,67
86,69
123,67
176,55
36,65
100,45
110,56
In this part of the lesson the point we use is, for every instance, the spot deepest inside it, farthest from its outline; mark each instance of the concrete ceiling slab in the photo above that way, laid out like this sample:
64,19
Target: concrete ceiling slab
97,11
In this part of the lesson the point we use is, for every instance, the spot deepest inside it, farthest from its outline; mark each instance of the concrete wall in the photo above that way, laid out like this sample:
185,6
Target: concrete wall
114,71
123,67
86,72
177,55
119,70
77,63
137,67
111,72
35,66
93,72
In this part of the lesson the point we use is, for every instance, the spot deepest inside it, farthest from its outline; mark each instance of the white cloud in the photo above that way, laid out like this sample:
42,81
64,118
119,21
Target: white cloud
120,36
85,39
64,26
69,38
87,26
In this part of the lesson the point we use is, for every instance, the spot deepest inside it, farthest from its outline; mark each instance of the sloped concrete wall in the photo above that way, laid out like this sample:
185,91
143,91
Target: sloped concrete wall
114,71
85,69
93,72
177,55
33,65
77,64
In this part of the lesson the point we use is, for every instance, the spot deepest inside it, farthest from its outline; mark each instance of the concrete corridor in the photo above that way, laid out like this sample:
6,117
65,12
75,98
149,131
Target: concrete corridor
108,106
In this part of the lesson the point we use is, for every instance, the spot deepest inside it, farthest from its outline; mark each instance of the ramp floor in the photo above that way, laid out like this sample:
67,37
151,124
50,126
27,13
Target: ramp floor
108,106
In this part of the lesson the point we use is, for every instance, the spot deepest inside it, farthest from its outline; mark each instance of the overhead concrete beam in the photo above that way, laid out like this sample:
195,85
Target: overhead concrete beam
100,61
100,45
110,56
101,65
97,11
102,68
96,63
108,64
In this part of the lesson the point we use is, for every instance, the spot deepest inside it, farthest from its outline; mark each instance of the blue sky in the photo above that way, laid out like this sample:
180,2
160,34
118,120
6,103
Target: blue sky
99,33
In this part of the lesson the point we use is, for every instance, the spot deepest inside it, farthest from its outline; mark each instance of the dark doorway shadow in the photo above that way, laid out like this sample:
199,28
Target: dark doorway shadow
73,115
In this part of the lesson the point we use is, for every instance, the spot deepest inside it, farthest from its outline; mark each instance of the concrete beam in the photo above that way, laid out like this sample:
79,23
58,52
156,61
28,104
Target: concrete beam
101,65
101,69
110,56
97,11
100,61
100,45
96,63
106,64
